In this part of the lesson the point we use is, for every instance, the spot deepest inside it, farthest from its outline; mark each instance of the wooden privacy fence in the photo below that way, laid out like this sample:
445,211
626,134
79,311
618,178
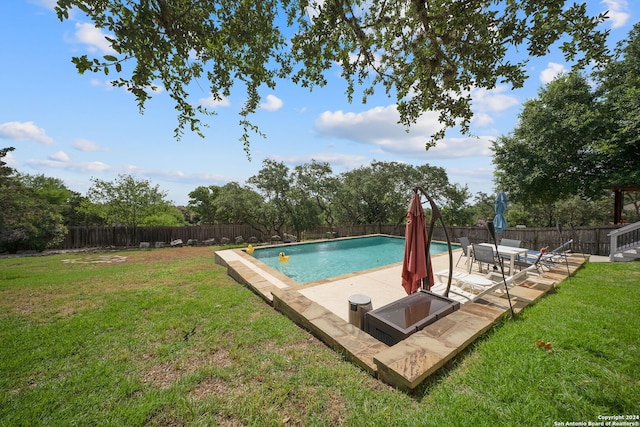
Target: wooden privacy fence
88,237
591,240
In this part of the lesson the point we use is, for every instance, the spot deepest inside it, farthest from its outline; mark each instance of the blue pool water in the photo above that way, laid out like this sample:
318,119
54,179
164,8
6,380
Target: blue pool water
309,262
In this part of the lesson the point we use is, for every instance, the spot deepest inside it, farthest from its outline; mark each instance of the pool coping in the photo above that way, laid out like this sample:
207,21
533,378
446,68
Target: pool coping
407,364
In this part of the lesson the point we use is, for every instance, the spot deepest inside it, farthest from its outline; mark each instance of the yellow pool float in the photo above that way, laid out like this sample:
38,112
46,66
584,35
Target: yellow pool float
283,257
250,249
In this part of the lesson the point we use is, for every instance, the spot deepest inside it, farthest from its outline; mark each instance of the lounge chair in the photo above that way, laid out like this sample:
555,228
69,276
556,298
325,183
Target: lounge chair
494,282
471,280
455,293
546,258
535,262
559,254
464,243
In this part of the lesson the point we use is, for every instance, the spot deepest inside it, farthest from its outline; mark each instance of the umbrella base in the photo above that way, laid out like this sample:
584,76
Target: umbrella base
396,321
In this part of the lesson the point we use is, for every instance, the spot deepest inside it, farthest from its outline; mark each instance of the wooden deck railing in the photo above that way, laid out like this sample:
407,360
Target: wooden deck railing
623,240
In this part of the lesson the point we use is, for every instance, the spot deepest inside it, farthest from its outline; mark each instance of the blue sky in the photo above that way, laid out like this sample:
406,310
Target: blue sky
78,127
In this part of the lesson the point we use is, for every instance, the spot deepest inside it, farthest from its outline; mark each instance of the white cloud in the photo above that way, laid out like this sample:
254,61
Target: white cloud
482,119
82,144
379,127
487,103
618,12
10,160
457,148
493,100
94,167
551,72
174,175
106,84
273,103
155,89
24,131
93,37
59,156
49,4
350,161
477,178
70,166
211,102
60,160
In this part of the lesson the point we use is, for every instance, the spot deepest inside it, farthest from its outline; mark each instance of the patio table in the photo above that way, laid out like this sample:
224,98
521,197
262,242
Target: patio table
510,251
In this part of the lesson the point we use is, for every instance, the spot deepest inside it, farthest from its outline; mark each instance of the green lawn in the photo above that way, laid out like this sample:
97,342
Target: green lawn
167,338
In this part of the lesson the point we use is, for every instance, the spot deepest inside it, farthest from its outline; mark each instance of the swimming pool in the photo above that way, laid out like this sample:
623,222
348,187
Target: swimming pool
309,262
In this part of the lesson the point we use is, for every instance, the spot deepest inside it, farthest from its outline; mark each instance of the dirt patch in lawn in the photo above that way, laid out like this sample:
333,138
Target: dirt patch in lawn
163,375
102,259
209,386
78,294
167,254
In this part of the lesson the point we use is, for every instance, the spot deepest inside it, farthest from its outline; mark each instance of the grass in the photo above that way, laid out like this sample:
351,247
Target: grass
167,338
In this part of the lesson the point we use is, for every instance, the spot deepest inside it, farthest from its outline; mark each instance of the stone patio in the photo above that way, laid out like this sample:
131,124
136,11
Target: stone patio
407,364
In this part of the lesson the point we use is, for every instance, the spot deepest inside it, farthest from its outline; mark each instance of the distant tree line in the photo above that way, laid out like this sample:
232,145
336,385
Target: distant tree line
36,210
309,195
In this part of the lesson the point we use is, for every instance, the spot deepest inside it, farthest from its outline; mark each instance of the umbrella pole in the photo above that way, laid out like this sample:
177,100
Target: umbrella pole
492,231
566,258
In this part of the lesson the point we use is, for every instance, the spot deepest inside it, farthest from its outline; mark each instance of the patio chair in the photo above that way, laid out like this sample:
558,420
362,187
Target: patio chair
559,254
464,242
510,242
546,259
484,255
532,262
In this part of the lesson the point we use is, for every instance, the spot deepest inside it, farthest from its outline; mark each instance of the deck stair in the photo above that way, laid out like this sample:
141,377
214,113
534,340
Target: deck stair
625,243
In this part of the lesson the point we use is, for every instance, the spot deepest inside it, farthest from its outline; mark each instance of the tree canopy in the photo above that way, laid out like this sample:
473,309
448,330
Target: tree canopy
31,209
426,55
129,202
201,201
303,198
620,92
546,157
576,138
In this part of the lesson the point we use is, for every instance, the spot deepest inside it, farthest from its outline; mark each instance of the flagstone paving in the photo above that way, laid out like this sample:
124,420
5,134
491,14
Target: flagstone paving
404,365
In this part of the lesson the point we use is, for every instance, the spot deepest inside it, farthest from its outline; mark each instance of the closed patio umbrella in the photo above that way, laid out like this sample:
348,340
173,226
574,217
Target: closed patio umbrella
499,221
414,264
